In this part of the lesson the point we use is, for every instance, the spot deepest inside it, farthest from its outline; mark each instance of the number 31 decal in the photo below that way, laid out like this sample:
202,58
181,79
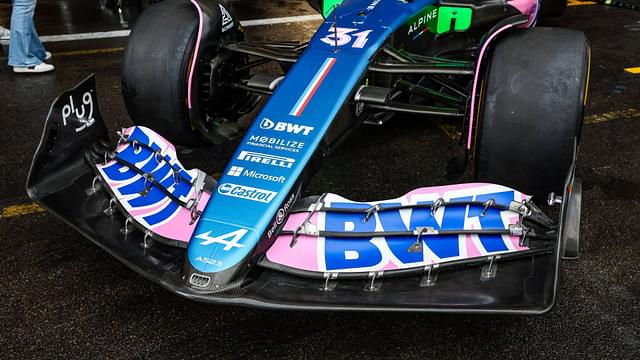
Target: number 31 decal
343,36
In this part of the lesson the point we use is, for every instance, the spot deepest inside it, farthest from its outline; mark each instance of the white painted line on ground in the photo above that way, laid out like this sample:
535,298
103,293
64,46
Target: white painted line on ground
79,36
280,20
4,37
85,36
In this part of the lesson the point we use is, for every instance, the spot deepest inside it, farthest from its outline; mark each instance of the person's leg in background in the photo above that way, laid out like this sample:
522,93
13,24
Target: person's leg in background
36,45
26,52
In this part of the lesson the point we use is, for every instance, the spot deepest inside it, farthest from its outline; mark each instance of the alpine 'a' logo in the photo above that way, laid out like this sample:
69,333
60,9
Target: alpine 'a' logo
234,236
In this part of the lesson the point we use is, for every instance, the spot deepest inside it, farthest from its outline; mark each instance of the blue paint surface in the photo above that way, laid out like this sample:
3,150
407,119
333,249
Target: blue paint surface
283,145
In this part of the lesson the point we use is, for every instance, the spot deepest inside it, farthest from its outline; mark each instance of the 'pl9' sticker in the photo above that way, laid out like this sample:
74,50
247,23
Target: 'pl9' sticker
82,114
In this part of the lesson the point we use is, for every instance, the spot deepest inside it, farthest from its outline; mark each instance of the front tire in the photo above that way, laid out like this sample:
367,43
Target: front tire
532,108
155,70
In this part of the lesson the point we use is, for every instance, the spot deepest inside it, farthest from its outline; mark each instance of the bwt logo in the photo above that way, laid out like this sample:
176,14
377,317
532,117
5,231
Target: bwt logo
246,192
366,252
290,128
129,184
266,159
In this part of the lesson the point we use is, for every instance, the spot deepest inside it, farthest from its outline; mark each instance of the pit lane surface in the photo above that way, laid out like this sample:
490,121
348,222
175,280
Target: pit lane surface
61,297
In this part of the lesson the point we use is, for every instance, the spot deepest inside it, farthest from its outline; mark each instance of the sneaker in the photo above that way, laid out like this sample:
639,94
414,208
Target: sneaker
47,55
34,69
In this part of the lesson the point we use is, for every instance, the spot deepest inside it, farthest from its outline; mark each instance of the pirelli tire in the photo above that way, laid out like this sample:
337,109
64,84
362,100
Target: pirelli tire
155,70
531,109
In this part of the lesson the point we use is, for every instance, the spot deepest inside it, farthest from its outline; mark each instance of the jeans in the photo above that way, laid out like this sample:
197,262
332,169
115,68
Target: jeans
25,47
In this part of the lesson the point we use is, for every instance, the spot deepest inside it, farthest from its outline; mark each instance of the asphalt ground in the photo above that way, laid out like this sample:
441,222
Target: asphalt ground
62,297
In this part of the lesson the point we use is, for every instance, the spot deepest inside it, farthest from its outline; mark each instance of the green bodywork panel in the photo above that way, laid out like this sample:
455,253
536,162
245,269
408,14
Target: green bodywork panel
427,18
328,6
452,18
440,20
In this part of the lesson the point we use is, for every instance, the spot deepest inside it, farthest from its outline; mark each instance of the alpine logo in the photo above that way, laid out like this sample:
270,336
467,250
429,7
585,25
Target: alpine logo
227,20
266,159
246,192
267,124
238,171
230,240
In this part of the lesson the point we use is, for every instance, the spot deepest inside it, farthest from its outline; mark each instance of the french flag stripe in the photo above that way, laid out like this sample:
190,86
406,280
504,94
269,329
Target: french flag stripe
308,93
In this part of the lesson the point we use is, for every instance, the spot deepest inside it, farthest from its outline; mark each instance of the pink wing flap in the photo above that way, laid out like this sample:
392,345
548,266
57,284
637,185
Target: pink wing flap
153,188
318,253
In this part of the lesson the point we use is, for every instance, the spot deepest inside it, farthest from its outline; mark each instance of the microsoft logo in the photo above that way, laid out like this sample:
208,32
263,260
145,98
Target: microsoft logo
235,171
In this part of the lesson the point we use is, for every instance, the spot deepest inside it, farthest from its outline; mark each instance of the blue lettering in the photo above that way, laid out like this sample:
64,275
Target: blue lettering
162,172
443,246
154,194
392,221
492,219
114,172
341,253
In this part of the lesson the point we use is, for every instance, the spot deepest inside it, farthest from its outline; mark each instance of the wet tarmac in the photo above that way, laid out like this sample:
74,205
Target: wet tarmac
62,297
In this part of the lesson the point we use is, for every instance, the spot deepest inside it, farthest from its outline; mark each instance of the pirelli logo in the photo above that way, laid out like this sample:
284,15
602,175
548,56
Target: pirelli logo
266,159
